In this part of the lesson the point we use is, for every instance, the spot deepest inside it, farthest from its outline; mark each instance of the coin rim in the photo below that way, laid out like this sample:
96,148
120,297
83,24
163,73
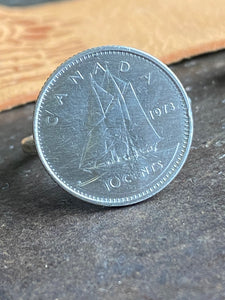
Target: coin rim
107,201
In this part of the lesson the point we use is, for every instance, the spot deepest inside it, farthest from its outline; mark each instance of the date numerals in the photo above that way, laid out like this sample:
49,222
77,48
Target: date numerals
162,110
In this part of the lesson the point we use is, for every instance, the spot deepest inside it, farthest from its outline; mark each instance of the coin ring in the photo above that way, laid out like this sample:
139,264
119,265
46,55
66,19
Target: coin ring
109,200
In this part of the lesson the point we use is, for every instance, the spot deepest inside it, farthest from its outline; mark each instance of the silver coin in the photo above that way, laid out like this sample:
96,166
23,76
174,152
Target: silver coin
113,125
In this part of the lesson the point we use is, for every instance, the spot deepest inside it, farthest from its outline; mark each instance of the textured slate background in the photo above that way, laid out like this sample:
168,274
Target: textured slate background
53,246
172,246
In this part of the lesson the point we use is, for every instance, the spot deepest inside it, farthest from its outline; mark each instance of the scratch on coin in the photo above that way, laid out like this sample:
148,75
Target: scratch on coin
81,184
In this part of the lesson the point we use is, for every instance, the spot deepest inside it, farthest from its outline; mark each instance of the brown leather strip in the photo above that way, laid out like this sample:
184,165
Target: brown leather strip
34,40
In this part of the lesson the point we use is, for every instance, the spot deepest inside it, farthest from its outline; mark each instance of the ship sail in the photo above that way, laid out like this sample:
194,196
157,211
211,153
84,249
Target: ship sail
115,125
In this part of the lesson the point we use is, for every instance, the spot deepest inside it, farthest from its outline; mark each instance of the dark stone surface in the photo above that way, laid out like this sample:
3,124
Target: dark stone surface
53,246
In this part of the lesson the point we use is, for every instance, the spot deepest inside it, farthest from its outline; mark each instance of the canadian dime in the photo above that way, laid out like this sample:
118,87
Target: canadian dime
113,125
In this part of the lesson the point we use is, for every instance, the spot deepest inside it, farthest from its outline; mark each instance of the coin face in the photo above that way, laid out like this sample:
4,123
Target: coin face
113,126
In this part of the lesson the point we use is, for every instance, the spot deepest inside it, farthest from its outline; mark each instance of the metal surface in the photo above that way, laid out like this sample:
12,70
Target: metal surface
28,145
113,125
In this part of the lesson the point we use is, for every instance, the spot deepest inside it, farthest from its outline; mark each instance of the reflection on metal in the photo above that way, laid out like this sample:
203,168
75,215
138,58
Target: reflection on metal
114,129
28,145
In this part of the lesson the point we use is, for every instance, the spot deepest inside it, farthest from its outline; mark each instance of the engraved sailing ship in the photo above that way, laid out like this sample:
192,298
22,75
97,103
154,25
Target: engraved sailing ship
118,129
